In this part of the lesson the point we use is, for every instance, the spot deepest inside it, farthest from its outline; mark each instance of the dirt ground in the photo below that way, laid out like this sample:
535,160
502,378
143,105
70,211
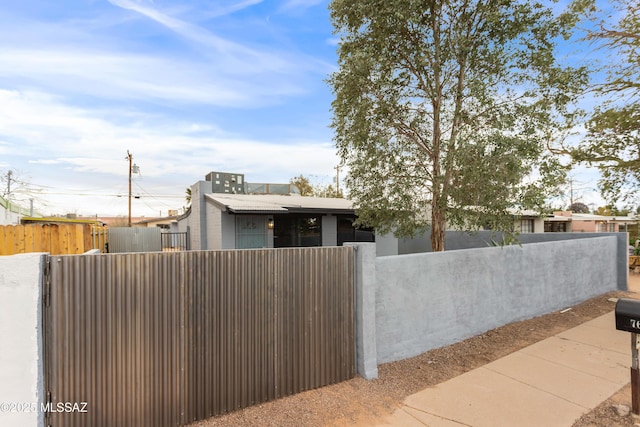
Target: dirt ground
606,415
358,402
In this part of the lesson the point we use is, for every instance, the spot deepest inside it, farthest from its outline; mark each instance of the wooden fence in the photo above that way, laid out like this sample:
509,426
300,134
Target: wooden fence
57,239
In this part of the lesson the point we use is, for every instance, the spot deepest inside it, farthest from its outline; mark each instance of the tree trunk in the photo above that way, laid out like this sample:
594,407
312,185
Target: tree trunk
438,226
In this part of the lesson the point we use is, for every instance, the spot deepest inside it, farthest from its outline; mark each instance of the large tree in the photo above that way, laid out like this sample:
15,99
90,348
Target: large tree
612,141
443,107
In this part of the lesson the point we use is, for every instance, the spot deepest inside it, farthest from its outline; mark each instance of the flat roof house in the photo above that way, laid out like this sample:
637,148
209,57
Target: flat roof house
567,221
225,218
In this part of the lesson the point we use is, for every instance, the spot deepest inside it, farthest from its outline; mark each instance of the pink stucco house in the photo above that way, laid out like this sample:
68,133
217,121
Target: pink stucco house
565,221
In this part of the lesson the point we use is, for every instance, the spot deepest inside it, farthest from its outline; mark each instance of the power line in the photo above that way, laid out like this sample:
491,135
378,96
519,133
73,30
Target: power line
168,196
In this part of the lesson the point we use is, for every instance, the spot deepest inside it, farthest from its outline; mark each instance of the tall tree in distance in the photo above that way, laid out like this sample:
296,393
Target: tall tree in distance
443,109
612,142
308,189
304,185
578,207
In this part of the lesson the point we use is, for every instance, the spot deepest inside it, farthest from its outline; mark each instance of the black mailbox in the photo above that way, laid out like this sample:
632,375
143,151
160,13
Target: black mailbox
628,315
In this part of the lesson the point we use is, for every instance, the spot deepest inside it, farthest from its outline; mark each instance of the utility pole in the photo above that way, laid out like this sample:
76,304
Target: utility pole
130,157
9,174
8,211
337,168
133,168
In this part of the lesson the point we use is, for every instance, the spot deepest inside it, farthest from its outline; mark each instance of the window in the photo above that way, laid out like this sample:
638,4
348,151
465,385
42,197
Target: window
297,230
251,232
555,227
526,226
348,233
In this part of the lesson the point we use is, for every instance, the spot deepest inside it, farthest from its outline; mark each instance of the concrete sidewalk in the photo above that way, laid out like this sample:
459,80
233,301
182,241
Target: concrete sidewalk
550,383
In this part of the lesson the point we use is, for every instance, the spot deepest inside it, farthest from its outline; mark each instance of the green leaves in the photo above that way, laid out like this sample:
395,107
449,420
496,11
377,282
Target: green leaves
442,109
612,142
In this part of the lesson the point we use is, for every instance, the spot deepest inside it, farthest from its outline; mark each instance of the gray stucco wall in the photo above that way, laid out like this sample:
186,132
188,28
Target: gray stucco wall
387,245
214,227
195,220
365,307
201,188
21,358
329,230
228,230
458,240
426,301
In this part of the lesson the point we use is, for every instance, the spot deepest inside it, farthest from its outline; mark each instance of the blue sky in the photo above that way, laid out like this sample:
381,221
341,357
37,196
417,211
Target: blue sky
189,87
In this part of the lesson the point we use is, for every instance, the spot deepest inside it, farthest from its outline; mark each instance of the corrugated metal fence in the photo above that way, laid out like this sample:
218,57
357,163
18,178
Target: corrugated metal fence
135,239
152,239
165,339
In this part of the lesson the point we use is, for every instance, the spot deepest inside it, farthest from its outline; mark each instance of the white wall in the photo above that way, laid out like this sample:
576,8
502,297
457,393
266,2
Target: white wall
538,225
8,216
21,337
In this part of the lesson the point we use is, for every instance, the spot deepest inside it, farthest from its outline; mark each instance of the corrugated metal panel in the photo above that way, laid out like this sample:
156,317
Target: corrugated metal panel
134,239
165,339
176,241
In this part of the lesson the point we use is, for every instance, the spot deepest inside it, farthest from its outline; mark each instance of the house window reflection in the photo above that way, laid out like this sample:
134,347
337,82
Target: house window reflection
296,230
347,232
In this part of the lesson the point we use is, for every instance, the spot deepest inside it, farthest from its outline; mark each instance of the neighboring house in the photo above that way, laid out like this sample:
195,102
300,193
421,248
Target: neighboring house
226,213
68,219
139,221
165,223
119,221
228,220
557,224
11,213
528,222
524,222
565,221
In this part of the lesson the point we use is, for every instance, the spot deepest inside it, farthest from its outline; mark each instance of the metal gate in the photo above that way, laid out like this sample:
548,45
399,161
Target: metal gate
174,241
164,339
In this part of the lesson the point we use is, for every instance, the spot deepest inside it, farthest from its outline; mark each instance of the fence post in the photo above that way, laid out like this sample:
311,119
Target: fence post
365,305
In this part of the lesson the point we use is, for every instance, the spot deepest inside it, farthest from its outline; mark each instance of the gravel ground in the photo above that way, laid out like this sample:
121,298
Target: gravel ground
358,402
608,414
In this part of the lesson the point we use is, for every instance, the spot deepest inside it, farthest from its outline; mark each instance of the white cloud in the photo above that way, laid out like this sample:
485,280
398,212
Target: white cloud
187,87
45,162
88,58
244,59
80,150
124,76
